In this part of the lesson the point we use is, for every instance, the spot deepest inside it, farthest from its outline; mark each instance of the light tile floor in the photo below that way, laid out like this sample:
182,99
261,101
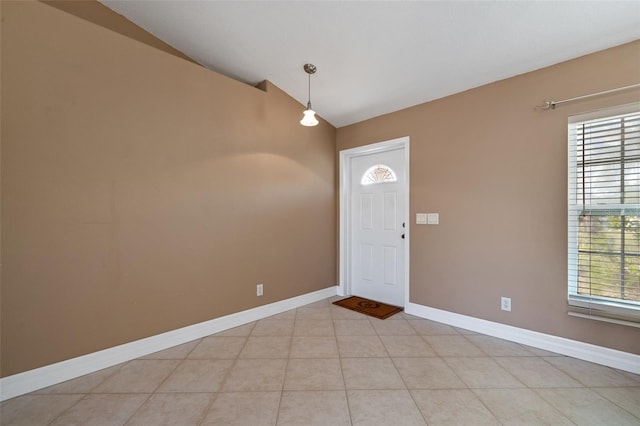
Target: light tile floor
326,365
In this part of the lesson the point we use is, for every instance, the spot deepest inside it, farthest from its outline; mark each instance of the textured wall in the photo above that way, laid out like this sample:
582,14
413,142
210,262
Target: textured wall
496,171
142,193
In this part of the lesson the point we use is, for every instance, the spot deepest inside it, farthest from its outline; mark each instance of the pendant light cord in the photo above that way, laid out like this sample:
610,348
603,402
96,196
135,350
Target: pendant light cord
309,92
309,69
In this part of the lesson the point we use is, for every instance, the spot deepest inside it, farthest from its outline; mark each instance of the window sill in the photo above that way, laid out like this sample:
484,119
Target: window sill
605,319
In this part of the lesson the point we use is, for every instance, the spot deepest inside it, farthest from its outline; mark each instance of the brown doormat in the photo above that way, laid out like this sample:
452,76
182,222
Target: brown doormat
368,307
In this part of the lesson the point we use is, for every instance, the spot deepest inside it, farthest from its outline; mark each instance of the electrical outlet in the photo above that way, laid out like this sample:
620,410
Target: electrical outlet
505,303
259,290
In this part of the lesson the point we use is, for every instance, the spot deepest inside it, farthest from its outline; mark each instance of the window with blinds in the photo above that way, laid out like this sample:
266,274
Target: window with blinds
604,215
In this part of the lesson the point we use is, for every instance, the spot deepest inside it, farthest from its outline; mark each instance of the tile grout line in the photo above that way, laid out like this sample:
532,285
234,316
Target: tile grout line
68,408
402,378
614,402
344,382
472,390
458,376
215,395
85,394
157,387
212,395
525,386
286,366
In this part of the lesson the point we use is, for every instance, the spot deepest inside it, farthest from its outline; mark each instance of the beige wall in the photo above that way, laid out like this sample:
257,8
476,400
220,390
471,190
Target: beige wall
142,193
496,171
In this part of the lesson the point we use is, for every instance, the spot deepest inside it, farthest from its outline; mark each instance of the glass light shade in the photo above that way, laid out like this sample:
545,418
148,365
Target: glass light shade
309,118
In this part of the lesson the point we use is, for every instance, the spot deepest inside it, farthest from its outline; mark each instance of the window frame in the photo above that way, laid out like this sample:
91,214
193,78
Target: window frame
608,309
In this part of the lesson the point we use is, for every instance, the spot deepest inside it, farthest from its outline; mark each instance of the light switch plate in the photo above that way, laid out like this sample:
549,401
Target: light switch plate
433,218
421,218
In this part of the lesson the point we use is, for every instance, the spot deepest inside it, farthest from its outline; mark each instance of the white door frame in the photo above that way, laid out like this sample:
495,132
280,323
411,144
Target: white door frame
344,287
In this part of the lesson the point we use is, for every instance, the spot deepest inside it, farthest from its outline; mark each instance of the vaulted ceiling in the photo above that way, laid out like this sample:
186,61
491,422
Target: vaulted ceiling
378,57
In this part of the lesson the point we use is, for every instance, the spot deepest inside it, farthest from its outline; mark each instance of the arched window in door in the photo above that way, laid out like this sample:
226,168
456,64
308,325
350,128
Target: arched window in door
379,173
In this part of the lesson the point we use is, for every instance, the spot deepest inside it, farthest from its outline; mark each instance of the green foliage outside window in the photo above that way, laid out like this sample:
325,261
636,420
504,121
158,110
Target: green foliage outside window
609,256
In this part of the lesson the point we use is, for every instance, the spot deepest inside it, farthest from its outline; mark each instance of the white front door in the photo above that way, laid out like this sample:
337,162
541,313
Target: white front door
378,228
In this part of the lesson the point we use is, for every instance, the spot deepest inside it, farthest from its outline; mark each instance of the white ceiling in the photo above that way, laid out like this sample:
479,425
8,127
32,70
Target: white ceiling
377,57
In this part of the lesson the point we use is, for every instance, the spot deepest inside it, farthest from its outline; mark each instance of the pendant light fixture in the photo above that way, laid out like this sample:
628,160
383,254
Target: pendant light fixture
309,118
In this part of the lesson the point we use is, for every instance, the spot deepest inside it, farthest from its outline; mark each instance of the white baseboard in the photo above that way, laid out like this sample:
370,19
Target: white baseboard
29,381
585,351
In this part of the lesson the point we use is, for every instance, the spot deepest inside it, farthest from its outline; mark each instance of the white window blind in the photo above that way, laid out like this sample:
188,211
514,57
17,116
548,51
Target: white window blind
604,214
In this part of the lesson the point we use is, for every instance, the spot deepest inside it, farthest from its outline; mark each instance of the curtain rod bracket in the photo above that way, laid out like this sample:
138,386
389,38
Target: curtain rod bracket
546,105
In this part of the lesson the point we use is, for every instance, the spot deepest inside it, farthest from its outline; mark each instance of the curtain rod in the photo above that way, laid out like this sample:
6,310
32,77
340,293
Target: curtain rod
552,104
